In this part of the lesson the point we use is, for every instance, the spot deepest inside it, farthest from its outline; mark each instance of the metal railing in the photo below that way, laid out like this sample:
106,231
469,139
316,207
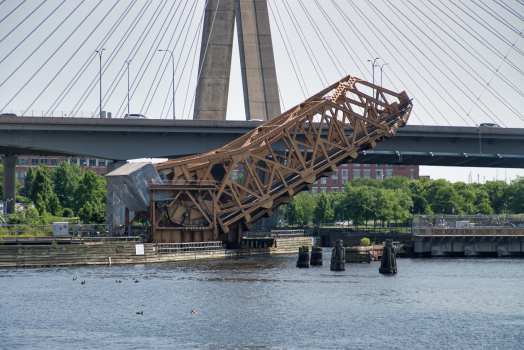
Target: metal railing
485,231
75,230
53,114
164,248
275,234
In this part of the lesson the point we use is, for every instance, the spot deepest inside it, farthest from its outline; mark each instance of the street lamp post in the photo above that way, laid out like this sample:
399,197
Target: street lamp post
100,55
173,63
381,67
128,62
373,67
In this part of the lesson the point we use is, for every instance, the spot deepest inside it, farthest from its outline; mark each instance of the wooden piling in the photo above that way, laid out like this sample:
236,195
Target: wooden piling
388,264
338,257
303,256
316,256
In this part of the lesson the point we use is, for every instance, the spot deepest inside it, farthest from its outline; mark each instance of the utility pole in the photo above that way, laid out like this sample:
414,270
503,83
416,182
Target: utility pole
100,55
128,62
373,67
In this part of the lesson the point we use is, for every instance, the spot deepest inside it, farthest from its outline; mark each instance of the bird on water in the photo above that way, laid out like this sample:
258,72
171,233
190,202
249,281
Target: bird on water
140,313
193,312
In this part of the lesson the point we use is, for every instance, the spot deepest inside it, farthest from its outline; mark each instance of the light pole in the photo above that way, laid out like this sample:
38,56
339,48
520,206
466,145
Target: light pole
381,67
373,67
128,62
343,214
100,55
173,62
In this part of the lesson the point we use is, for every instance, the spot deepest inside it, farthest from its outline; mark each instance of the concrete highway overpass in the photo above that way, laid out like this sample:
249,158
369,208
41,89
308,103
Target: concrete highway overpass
122,139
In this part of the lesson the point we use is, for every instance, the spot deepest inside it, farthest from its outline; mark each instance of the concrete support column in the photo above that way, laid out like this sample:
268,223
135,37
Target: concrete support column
9,163
257,62
115,209
215,60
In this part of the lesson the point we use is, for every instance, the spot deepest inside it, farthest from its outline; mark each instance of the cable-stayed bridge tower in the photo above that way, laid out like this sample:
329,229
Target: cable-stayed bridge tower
259,80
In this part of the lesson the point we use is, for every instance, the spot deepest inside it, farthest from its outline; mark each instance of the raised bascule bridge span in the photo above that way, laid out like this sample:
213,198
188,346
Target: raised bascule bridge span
196,198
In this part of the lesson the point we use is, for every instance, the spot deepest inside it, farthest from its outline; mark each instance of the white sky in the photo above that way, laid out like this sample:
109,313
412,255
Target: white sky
461,61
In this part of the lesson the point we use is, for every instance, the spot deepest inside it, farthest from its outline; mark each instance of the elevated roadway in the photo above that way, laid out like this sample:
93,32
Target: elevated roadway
122,139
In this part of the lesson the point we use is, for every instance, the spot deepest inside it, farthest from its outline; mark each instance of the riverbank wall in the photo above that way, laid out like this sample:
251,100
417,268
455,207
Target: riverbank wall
114,253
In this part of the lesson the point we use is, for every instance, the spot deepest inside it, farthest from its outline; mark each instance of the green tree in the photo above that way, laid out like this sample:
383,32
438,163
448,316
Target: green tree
41,189
1,180
515,196
395,182
28,182
323,211
65,182
495,191
296,212
90,196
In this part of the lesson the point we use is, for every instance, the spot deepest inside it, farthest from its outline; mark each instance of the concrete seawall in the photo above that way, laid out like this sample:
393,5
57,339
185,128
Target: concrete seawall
106,253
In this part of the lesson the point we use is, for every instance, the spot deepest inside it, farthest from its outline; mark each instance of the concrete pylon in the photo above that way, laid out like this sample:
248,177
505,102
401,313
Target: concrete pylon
9,164
261,99
115,209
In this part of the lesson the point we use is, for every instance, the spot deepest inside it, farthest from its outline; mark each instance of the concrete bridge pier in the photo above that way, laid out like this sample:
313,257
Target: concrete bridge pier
115,209
9,163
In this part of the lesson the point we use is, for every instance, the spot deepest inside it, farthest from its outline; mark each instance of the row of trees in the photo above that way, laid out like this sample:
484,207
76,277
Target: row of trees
397,198
64,191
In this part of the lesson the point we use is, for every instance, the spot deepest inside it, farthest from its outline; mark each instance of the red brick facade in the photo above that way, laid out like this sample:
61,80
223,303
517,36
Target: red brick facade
98,166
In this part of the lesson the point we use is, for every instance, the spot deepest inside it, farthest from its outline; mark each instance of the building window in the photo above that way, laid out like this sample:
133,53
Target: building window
17,175
367,174
34,161
102,174
344,173
345,165
335,174
23,162
334,182
314,190
334,190
378,175
323,181
345,181
73,161
101,162
389,173
356,174
356,165
54,161
22,175
234,174
388,165
83,162
43,161
315,183
92,162
367,165
323,189
411,174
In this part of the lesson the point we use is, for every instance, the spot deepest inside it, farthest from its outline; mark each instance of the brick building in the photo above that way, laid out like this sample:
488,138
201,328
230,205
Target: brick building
347,172
98,166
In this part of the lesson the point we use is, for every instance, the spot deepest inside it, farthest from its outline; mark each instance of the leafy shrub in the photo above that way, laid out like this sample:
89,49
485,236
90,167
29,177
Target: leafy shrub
365,242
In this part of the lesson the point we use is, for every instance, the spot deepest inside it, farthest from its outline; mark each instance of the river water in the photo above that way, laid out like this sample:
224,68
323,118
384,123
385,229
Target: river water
266,303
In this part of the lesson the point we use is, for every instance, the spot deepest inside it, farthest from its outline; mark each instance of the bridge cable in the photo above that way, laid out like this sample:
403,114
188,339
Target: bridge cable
427,70
490,29
136,48
445,52
192,68
28,35
294,21
19,24
323,39
163,56
336,31
498,17
54,53
84,67
126,35
71,57
359,35
485,44
193,9
191,13
510,10
1,20
485,62
287,51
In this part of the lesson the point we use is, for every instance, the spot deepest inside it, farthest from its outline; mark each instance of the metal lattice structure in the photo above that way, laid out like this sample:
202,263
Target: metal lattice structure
278,159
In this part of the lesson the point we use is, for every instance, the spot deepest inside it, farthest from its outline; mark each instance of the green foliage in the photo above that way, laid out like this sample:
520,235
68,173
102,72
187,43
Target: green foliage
365,242
323,211
239,179
514,196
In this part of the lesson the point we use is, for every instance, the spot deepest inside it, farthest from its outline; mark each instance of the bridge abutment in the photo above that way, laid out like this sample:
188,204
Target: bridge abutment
115,209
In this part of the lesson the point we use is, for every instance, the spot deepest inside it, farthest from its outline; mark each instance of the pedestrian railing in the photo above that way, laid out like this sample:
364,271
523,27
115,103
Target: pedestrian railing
164,248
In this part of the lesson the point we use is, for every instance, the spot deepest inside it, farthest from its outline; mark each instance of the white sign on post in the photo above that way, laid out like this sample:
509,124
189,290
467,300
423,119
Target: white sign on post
139,249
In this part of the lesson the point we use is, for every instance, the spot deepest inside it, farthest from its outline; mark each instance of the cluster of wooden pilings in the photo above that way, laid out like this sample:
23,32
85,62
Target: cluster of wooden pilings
303,256
388,264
